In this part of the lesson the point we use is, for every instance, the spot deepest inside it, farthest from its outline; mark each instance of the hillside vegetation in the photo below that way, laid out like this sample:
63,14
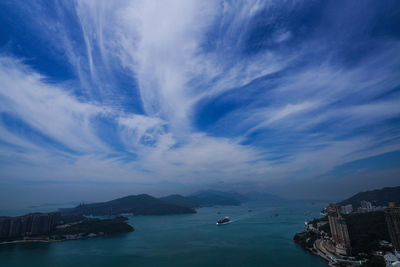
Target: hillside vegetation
378,197
136,204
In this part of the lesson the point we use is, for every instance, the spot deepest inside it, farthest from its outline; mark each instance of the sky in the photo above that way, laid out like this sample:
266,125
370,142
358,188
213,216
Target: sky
100,99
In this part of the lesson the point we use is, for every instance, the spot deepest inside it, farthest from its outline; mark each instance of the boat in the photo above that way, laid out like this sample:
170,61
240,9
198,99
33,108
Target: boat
224,220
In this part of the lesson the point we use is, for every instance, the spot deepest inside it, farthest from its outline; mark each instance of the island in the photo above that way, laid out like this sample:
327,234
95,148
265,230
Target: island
134,205
145,204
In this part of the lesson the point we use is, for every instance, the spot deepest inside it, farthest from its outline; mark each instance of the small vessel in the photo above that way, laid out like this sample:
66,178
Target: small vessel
276,214
224,220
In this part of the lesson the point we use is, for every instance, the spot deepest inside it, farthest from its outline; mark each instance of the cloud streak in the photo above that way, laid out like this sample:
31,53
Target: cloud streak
195,92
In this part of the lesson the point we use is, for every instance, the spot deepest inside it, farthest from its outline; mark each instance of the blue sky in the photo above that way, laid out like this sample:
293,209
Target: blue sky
105,98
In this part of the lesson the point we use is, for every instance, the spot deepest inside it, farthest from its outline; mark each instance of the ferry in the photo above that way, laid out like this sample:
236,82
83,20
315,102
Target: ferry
224,220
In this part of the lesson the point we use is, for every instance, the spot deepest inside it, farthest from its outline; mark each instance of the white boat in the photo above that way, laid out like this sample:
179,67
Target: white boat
224,220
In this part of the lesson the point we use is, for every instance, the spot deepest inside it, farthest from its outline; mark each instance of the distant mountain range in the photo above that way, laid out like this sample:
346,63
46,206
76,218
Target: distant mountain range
378,197
205,199
262,196
208,198
173,204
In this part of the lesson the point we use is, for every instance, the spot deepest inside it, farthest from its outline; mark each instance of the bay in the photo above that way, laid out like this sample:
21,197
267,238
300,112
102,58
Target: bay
255,237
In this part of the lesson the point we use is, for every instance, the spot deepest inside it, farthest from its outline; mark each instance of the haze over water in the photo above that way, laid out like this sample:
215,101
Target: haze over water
256,238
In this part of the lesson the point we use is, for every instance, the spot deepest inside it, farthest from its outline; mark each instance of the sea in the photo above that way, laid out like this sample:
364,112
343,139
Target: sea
260,234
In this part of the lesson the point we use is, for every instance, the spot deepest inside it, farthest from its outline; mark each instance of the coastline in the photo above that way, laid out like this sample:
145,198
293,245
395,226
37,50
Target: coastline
299,237
30,241
72,237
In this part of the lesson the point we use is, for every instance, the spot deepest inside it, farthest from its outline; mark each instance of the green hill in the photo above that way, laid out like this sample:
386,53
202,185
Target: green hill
366,230
378,197
109,226
137,204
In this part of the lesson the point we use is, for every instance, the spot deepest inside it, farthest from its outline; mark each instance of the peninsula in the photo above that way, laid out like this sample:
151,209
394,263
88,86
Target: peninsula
53,227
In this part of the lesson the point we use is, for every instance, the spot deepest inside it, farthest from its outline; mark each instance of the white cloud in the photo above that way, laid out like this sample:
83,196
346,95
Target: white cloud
47,108
53,112
137,130
160,45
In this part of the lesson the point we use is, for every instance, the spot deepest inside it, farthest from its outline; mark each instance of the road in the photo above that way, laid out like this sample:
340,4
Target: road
324,253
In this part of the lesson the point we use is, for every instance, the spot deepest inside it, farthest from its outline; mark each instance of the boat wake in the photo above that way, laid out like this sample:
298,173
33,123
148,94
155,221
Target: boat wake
224,223
244,217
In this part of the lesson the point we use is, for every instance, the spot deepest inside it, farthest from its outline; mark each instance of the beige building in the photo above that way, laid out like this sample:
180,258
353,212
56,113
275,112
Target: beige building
339,231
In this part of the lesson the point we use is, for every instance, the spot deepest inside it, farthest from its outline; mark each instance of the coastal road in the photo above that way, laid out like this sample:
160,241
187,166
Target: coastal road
317,247
320,246
324,253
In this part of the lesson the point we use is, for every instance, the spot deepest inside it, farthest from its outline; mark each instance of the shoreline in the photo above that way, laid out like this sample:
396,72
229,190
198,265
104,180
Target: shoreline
51,240
328,261
314,251
30,241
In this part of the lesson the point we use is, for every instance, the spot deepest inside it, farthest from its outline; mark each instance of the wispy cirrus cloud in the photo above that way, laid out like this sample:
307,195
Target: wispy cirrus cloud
47,108
71,144
196,92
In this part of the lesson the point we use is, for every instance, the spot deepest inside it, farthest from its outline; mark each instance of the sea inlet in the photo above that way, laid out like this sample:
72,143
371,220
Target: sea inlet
255,237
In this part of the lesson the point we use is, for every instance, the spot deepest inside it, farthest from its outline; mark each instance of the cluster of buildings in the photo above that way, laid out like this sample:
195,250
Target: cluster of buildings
366,206
347,209
29,225
340,234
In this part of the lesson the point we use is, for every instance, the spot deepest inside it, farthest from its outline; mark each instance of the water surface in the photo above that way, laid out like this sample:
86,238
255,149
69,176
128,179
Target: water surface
256,238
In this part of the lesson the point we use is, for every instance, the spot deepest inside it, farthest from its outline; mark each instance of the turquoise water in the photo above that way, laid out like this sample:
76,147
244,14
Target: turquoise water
256,238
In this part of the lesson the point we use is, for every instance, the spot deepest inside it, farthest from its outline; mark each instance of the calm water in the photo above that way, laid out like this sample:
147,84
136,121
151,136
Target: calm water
254,238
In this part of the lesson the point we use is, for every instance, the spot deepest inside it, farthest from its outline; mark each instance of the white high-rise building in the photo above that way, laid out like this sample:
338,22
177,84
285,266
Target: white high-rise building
366,205
347,209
